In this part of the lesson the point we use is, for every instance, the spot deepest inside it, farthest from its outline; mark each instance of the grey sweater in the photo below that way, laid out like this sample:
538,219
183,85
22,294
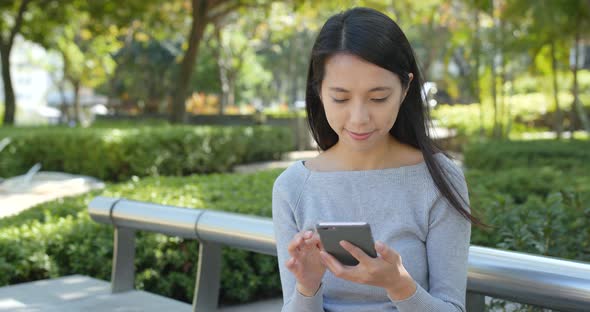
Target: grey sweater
405,211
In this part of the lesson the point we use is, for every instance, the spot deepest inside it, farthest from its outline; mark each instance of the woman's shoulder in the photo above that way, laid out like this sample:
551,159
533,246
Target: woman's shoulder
292,179
448,164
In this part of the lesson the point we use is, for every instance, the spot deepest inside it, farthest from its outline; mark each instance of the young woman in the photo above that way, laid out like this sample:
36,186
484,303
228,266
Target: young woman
377,165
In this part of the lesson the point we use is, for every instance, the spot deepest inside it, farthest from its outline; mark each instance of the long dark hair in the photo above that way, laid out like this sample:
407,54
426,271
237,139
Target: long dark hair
374,37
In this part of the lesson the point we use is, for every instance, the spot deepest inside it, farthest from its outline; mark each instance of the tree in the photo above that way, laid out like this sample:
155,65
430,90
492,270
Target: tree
86,57
8,32
579,12
549,29
87,41
42,22
203,12
528,35
229,54
145,69
287,37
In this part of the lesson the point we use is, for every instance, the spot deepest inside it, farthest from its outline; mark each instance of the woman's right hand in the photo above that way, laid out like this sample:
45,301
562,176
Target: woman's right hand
305,262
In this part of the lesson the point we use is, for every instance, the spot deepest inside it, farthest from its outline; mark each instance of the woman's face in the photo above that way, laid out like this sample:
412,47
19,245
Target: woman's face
361,101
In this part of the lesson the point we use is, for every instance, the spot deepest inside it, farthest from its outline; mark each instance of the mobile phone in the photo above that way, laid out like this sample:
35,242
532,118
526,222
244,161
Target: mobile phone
356,233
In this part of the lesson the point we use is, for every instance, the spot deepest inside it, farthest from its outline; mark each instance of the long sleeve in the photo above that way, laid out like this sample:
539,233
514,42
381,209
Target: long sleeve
447,247
285,228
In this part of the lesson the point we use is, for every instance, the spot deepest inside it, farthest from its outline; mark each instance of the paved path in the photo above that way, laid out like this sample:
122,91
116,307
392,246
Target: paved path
18,193
287,160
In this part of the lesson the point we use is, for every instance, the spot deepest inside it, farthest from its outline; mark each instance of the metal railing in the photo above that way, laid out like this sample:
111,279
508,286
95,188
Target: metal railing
543,281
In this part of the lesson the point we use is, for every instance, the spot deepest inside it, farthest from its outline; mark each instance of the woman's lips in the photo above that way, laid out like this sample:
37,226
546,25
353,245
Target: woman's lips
359,136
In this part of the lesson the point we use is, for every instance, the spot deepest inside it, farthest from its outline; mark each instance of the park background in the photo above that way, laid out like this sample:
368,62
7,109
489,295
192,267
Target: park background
163,100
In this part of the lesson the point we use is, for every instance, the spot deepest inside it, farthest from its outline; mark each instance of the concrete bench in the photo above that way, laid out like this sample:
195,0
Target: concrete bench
78,293
81,293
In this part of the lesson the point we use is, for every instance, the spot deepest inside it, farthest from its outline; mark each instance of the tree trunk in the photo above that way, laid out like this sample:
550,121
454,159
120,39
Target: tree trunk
63,107
231,91
502,96
475,82
494,96
9,100
495,132
293,80
223,68
199,22
577,105
290,71
502,76
77,117
558,115
5,49
508,127
65,111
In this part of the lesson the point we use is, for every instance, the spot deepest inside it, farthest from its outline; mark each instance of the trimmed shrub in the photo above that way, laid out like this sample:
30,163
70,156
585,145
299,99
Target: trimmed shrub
118,154
500,155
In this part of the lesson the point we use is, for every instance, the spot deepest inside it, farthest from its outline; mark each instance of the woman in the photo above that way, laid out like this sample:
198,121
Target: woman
378,165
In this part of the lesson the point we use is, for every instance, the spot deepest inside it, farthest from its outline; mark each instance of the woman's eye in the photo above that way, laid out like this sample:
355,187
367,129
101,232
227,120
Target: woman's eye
380,100
374,100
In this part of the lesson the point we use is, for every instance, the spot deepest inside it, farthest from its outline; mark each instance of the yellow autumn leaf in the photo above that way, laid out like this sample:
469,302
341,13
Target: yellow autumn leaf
85,34
141,37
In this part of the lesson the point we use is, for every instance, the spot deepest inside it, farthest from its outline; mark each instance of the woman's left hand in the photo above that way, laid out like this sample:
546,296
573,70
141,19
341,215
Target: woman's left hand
386,271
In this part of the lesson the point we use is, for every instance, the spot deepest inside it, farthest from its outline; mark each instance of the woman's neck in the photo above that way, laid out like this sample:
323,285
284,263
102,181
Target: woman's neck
382,156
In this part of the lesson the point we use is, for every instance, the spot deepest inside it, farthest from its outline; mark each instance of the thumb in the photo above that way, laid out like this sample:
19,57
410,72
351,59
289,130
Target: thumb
385,252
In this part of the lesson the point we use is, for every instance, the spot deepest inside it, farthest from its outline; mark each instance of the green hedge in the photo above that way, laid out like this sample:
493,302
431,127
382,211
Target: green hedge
535,193
118,154
59,238
542,210
536,210
500,155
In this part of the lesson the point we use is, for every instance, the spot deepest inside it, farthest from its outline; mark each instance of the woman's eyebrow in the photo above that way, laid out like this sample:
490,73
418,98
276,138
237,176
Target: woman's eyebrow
338,89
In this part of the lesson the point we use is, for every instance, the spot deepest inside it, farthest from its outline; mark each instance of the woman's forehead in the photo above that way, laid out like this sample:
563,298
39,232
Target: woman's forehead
346,71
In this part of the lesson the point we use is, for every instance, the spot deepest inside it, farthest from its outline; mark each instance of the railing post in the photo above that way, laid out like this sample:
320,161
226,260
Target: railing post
123,275
208,277
475,302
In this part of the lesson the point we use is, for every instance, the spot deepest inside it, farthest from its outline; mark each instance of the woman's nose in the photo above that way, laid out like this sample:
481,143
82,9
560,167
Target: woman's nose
359,113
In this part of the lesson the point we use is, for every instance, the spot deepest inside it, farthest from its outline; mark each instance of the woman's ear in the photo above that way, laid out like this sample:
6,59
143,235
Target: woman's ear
411,77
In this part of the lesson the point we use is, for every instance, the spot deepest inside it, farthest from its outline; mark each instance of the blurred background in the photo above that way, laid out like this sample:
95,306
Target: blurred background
513,66
200,103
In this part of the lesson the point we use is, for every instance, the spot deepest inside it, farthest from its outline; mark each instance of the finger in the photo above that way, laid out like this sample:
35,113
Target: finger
298,243
308,237
333,265
316,237
295,245
356,252
385,252
290,264
314,242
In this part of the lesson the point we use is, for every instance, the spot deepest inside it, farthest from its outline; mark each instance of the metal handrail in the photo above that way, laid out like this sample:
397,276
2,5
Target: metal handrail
543,281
